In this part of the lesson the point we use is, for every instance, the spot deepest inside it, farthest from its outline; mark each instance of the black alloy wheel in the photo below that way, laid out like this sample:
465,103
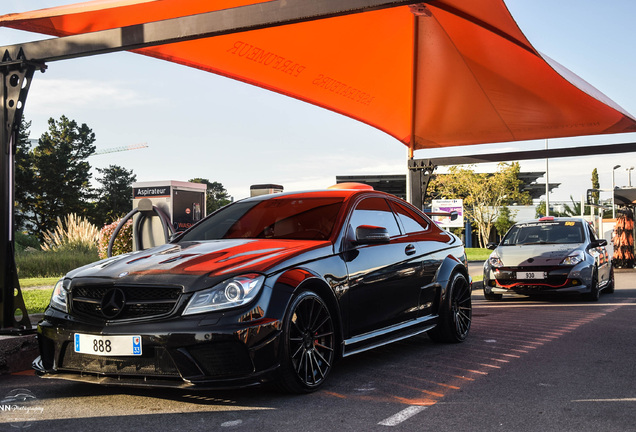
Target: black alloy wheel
455,315
308,344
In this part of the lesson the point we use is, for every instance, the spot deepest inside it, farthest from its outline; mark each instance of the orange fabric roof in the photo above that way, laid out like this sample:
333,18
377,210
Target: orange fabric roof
446,74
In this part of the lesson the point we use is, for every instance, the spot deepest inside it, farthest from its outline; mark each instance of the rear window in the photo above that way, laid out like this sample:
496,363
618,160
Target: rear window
549,232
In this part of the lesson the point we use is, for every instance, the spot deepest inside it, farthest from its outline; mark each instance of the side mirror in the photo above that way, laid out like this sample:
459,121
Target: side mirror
492,246
175,236
598,243
369,234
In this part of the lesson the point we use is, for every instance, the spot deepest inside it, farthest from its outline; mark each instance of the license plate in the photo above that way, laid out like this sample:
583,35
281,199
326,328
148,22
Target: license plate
107,345
528,275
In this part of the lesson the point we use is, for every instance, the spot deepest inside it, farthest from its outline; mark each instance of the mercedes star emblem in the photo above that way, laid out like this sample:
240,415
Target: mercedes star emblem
113,303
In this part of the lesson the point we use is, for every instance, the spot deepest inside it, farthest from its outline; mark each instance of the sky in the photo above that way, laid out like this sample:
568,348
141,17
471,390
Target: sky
197,124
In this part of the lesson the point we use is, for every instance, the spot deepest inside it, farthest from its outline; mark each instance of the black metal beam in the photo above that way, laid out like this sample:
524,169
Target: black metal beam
421,170
16,80
534,154
216,23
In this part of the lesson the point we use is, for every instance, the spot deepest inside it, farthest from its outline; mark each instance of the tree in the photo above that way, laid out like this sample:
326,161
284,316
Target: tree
60,174
575,210
24,179
217,196
596,185
114,196
483,194
504,220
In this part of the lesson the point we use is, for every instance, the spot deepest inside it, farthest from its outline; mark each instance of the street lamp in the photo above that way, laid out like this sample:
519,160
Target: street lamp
613,187
629,175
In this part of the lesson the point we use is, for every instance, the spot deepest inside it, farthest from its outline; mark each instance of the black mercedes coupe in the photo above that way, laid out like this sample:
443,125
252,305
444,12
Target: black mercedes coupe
270,288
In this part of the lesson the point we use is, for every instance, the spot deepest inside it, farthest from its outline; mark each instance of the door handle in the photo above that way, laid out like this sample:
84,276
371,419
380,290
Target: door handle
410,249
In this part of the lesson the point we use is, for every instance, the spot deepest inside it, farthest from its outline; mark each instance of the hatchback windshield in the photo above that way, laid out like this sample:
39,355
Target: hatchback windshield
276,218
544,233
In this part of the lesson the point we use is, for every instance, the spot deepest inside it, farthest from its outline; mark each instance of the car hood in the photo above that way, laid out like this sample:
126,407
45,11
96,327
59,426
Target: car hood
196,264
535,255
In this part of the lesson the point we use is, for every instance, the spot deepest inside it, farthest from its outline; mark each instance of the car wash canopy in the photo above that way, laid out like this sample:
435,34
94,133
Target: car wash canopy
432,74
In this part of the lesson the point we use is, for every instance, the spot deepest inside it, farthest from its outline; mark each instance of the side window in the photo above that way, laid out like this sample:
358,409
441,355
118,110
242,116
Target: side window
591,232
411,221
375,212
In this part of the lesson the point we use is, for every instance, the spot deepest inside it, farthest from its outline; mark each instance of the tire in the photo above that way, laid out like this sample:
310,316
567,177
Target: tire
308,344
612,283
455,314
595,292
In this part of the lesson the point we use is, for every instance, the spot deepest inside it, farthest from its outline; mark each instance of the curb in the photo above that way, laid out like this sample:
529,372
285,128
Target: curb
18,352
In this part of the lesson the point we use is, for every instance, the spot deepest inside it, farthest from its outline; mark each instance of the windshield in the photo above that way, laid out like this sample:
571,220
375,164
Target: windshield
275,218
553,232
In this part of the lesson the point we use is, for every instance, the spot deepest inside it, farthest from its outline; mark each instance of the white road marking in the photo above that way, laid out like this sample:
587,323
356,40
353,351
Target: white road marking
403,415
534,305
606,400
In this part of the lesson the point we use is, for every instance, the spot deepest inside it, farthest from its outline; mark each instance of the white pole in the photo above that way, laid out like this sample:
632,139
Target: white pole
613,187
582,205
547,184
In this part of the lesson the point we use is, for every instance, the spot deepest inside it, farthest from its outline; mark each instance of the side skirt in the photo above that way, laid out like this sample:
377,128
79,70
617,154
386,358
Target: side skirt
388,335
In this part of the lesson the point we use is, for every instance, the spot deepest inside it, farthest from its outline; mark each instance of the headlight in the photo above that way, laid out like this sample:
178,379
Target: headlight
574,259
58,298
230,293
495,261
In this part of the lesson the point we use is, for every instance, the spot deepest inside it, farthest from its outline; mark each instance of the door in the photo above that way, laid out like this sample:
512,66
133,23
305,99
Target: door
384,283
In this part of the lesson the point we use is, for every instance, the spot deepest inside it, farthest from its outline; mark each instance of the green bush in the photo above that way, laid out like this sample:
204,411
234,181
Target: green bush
52,264
25,241
123,242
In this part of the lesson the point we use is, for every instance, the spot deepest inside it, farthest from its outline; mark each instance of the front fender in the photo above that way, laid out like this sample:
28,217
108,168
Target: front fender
449,266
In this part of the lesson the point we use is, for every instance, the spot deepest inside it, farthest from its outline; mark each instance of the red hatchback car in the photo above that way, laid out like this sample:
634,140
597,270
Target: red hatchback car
270,288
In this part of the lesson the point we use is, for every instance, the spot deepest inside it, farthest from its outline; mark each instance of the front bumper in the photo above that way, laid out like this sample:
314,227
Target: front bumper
207,351
554,280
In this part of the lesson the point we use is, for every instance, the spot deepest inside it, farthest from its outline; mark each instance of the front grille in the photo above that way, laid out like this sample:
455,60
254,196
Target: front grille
555,278
154,362
136,301
222,359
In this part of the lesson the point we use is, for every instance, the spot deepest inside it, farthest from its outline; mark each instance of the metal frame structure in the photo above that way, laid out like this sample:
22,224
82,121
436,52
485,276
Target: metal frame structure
20,61
421,170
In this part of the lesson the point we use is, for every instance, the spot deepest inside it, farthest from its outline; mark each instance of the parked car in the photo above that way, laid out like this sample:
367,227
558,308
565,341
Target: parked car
549,256
270,288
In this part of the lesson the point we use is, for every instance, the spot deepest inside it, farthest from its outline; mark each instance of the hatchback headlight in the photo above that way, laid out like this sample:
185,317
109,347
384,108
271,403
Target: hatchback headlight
573,259
233,292
495,261
59,297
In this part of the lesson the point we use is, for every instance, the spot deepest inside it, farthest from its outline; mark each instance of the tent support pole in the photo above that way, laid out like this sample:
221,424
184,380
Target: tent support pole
16,79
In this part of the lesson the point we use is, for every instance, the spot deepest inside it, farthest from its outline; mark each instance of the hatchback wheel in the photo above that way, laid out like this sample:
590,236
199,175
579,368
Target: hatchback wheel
308,344
594,293
611,283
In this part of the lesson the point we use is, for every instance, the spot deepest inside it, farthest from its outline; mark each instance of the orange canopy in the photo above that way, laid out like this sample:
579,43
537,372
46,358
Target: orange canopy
447,73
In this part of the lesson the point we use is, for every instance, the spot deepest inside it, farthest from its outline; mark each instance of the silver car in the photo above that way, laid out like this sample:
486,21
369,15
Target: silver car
549,256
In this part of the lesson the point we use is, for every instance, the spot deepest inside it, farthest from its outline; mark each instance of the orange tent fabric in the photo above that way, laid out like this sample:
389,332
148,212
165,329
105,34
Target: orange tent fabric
447,73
